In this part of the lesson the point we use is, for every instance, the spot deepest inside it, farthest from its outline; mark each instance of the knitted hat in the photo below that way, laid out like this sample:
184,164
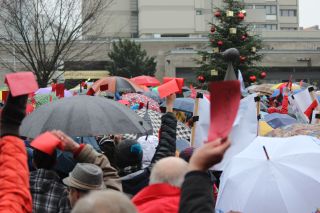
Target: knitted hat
186,153
129,154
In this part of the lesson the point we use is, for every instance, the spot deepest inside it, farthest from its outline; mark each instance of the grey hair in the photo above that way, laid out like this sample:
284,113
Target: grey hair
170,170
106,201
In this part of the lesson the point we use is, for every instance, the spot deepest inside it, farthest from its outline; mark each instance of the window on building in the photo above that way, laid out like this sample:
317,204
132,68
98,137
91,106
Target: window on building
260,7
174,35
198,12
271,27
288,12
271,9
288,28
248,6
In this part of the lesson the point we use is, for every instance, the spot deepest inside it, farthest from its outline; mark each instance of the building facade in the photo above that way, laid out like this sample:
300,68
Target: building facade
186,18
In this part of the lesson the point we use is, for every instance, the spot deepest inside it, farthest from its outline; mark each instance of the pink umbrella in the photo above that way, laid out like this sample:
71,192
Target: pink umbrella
135,98
146,81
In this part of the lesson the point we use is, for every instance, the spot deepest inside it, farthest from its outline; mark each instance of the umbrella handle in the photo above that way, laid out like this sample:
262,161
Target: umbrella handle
265,152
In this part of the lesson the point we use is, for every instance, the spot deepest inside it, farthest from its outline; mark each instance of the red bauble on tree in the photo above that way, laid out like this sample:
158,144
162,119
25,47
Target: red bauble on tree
243,38
217,14
220,43
213,29
263,75
243,59
201,79
240,16
253,78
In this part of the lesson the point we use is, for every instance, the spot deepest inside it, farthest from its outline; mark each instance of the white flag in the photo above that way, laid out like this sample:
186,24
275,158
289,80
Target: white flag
303,100
242,86
244,130
202,125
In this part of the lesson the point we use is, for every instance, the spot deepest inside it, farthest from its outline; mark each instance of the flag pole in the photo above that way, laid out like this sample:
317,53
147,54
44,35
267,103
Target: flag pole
195,115
257,100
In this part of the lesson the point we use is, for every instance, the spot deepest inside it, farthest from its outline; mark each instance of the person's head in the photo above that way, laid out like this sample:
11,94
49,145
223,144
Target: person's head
108,201
186,153
170,170
128,157
108,146
181,116
85,177
43,160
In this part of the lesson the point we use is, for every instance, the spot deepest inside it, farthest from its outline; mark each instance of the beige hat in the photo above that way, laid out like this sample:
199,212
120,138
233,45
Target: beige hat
85,176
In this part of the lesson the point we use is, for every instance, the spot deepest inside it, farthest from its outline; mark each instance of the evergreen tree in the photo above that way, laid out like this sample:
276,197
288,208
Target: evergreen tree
129,60
231,32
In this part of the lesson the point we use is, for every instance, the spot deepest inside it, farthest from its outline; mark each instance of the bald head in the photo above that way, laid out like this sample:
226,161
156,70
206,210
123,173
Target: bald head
169,170
108,201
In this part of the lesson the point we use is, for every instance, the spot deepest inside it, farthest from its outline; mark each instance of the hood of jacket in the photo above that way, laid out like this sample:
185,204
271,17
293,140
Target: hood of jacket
158,198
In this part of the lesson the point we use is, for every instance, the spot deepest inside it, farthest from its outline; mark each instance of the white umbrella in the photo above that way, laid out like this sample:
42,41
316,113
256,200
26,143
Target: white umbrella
288,182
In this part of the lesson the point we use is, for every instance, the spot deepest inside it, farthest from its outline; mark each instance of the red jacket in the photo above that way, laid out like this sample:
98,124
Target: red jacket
158,198
15,196
284,108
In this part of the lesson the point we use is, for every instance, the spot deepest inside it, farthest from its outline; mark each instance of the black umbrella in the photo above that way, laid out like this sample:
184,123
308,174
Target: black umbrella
83,116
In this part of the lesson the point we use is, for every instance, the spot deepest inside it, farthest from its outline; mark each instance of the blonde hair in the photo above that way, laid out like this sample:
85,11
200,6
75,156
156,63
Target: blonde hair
181,116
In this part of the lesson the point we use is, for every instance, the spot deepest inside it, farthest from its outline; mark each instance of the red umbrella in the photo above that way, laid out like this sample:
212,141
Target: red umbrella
146,81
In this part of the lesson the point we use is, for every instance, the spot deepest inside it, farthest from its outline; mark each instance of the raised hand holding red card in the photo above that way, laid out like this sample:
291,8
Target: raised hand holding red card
168,88
47,143
225,100
180,82
21,83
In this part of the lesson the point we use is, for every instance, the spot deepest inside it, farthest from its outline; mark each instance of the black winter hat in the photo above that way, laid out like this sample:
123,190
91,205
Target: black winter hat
128,153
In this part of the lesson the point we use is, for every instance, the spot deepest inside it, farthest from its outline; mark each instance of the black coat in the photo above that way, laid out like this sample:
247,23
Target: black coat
133,183
196,193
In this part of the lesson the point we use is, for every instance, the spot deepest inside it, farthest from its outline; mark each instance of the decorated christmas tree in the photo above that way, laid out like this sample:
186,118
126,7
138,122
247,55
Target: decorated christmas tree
231,32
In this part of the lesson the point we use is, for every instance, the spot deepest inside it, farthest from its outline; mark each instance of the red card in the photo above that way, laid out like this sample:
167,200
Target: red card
180,82
53,87
104,87
5,96
21,83
47,143
91,92
168,88
225,100
60,90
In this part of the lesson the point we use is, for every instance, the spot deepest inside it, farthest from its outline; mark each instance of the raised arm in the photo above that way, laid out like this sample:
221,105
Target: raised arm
167,133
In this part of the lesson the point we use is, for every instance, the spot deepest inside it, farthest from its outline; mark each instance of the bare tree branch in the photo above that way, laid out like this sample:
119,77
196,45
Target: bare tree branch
41,34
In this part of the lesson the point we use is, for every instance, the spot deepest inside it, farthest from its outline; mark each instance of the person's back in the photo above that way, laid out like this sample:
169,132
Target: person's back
163,193
48,193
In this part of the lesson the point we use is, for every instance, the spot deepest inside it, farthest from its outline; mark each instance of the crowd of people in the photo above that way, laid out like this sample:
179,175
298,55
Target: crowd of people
117,181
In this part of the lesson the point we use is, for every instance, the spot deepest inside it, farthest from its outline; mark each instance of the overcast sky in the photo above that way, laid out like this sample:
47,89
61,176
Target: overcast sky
309,12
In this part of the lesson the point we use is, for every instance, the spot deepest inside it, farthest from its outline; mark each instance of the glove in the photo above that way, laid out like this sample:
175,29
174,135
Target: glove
12,115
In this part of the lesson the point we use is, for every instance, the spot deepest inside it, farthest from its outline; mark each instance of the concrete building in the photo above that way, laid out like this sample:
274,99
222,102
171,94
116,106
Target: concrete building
186,18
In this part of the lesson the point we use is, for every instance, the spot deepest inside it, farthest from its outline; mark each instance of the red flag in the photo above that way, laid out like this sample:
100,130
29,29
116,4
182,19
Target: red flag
47,143
310,109
21,83
168,88
60,90
91,92
180,82
53,87
5,96
225,100
193,92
